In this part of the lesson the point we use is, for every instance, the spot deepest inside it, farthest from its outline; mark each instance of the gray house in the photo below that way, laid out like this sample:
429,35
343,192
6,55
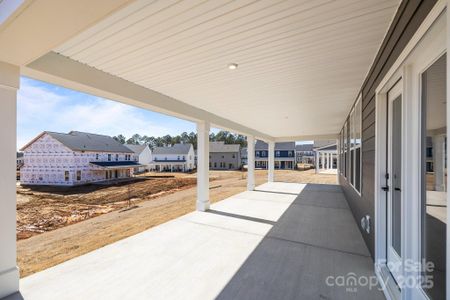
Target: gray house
284,155
244,158
304,153
224,156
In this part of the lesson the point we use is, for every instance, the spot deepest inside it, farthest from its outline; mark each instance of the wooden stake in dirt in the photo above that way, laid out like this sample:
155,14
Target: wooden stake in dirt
129,196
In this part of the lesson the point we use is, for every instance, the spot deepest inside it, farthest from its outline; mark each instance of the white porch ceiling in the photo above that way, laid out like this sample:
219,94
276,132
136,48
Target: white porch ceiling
301,62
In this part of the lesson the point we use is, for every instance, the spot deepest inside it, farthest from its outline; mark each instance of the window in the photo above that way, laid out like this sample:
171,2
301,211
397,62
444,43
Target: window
234,155
178,157
277,153
358,138
349,147
345,143
78,175
290,153
117,157
184,157
257,153
109,157
66,176
96,156
434,178
354,145
215,165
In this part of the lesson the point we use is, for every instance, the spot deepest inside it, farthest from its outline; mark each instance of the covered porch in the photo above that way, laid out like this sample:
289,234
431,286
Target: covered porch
274,71
282,240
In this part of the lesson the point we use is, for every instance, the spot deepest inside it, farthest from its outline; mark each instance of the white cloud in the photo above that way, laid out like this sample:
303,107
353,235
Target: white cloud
42,108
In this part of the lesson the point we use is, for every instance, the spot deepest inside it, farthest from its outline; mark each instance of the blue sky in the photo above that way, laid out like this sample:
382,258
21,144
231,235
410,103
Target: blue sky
46,107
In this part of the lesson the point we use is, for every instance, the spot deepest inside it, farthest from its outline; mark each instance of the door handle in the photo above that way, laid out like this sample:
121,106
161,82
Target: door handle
398,189
385,188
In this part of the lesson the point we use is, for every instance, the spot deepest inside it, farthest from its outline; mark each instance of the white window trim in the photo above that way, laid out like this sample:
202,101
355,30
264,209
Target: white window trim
351,127
411,184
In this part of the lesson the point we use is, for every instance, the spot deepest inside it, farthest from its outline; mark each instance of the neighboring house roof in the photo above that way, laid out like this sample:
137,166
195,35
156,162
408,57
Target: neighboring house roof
83,141
111,164
327,148
175,149
304,147
137,149
323,143
260,145
222,147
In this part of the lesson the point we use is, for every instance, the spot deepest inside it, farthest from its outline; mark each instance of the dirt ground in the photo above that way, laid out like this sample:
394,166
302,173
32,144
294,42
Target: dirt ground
101,215
41,209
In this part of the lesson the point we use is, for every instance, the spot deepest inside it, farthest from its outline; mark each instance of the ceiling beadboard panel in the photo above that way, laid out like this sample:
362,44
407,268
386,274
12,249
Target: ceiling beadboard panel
300,62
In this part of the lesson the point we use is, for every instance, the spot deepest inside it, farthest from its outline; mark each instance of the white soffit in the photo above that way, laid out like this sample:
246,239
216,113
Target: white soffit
301,62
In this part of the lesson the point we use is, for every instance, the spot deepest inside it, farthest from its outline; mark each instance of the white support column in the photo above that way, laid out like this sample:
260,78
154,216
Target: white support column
271,160
9,273
323,160
203,166
338,157
250,163
317,161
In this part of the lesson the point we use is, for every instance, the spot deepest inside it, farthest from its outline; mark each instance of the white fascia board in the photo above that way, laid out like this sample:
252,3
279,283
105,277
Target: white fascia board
57,69
307,138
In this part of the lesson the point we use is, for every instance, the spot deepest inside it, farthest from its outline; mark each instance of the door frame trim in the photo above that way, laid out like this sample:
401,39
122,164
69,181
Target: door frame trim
410,136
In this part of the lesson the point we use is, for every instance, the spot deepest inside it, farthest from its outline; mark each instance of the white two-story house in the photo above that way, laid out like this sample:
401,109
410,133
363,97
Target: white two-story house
176,158
142,155
74,158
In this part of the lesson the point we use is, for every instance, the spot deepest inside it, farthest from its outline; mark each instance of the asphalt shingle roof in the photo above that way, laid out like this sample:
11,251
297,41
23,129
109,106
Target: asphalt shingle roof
137,149
83,141
222,147
175,149
304,147
260,145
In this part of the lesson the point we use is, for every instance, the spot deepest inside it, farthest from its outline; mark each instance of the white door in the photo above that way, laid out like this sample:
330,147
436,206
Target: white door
394,180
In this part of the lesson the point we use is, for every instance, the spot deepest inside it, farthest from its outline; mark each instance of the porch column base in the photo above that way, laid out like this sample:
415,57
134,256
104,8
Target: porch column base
9,282
203,206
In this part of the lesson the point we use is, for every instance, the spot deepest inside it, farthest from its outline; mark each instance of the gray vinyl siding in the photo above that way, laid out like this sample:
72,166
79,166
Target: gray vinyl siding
405,23
225,158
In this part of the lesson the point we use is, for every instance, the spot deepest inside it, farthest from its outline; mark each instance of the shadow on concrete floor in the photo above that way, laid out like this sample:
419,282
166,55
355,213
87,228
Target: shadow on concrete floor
314,242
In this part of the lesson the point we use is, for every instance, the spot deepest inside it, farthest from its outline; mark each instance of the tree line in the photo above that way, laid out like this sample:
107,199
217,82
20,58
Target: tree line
186,138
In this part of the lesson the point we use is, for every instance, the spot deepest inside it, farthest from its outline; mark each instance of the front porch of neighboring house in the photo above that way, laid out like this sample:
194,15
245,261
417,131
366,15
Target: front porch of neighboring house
115,170
170,166
326,159
279,164
280,241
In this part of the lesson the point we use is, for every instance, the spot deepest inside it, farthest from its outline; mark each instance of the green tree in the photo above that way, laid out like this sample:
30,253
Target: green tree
120,138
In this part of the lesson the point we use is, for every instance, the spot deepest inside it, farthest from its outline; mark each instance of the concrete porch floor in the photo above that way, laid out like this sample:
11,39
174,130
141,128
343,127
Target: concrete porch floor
281,241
